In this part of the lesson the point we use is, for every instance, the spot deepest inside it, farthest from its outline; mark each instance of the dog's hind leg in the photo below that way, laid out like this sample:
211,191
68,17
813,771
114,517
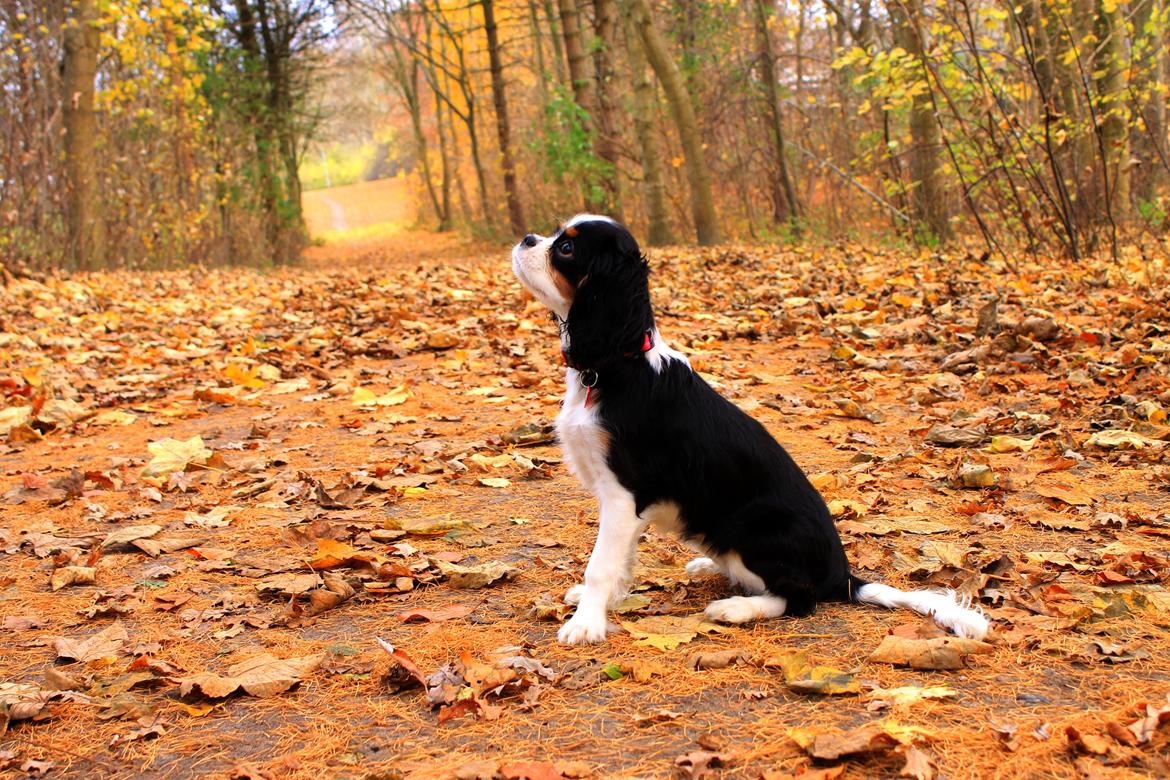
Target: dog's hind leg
704,566
745,609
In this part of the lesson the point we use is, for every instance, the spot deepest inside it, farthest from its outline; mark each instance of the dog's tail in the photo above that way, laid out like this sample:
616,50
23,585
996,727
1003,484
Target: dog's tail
948,610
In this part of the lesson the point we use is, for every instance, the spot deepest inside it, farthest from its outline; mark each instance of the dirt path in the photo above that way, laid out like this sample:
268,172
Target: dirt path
362,413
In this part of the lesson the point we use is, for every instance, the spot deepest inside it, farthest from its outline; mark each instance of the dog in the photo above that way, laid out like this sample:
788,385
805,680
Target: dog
655,444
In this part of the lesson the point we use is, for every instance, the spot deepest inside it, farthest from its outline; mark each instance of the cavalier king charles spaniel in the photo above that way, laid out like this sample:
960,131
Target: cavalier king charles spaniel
656,444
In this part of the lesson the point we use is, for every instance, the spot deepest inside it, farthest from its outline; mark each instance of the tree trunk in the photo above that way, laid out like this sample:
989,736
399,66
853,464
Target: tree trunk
408,77
646,130
558,50
579,73
503,131
606,140
1113,114
445,162
698,174
928,197
583,83
1150,142
262,134
785,206
538,53
82,209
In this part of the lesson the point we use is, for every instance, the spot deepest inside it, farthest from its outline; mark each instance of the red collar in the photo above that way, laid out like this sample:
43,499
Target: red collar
588,376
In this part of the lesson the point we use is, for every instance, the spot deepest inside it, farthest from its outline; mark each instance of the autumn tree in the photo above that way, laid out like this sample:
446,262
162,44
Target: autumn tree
86,234
647,132
785,205
928,196
503,130
667,70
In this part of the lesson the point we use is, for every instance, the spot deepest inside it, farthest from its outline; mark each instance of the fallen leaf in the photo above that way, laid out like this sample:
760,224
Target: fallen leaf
72,575
830,744
904,696
939,653
1085,744
479,576
262,676
20,701
1122,440
404,672
425,526
107,643
918,765
530,770
804,677
667,632
365,397
336,591
1065,493
718,659
697,763
129,534
289,583
449,612
14,417
171,455
657,716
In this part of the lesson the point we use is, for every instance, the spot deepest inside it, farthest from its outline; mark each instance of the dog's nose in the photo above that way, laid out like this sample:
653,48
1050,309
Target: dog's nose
531,240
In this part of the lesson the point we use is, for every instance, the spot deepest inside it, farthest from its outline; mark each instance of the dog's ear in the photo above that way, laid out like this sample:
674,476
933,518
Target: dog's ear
611,307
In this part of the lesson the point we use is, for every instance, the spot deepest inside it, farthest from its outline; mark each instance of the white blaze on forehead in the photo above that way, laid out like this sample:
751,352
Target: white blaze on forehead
577,220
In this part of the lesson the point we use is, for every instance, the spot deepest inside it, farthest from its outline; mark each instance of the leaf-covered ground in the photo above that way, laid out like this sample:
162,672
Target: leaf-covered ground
310,524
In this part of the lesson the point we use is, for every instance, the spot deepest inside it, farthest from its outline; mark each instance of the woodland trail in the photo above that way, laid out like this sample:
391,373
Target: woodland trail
374,462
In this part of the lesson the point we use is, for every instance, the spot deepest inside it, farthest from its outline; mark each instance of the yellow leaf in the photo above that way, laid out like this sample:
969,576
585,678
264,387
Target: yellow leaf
245,377
174,455
331,554
365,397
667,632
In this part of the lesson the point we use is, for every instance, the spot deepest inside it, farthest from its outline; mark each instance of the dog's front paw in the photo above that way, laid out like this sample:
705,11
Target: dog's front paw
573,594
583,630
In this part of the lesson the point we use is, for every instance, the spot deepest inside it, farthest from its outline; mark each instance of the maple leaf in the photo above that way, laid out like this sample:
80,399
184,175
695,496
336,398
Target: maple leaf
107,643
666,632
262,676
172,455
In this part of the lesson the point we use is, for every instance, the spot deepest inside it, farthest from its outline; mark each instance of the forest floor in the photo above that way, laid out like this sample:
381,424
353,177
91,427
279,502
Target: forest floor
221,488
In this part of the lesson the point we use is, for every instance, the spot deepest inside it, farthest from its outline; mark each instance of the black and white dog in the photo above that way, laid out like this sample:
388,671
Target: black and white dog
656,444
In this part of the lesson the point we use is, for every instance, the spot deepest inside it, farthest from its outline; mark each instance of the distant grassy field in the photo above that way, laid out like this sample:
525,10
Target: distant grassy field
368,208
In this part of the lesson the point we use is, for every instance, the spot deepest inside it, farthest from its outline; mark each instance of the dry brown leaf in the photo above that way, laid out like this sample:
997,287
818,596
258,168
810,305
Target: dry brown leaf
939,653
918,765
72,575
1066,493
261,676
449,612
403,672
107,643
129,534
335,593
717,659
478,576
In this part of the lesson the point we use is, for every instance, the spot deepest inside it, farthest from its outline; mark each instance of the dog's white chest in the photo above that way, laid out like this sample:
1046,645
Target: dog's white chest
582,436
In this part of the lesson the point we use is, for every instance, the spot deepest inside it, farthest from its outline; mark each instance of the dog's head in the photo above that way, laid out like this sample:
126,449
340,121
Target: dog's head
592,275
587,250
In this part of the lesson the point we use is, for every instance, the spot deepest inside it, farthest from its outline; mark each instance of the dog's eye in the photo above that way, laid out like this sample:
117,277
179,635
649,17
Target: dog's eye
565,248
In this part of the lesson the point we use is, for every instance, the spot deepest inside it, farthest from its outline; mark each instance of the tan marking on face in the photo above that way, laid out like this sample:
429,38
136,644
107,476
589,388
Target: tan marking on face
571,232
563,285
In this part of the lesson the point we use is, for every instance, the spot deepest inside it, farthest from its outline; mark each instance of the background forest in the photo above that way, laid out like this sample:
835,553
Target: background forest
155,132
